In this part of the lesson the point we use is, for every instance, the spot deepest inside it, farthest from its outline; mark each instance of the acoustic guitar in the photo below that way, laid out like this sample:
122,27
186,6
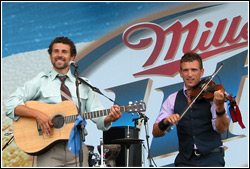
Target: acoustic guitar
29,136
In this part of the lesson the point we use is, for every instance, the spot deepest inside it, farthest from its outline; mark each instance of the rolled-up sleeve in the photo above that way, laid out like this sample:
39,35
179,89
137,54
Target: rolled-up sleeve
167,108
28,92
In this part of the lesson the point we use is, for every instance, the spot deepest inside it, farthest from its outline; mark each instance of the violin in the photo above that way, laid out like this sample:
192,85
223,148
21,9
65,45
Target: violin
205,89
208,94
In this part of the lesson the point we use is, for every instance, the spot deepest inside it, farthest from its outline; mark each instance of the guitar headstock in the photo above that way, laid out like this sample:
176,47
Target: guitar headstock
135,107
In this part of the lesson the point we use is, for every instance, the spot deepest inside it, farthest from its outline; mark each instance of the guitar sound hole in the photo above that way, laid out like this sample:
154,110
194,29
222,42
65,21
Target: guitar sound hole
58,121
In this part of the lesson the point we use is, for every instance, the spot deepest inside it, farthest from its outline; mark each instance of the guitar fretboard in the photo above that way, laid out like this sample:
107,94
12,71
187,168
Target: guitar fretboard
90,115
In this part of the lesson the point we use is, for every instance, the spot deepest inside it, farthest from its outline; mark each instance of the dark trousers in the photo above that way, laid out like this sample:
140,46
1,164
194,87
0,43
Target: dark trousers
215,159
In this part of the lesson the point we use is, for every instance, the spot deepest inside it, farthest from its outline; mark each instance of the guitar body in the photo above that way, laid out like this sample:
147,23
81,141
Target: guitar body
34,142
29,137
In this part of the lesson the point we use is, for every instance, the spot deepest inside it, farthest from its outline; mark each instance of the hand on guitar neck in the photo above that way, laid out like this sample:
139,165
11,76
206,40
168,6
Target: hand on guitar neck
114,115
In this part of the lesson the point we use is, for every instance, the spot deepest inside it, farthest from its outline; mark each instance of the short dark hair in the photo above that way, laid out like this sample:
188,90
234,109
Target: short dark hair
63,40
191,56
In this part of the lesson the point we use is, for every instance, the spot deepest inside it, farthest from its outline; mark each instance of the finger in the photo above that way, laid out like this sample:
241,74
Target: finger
112,115
116,111
170,121
226,94
116,115
116,108
51,123
112,109
175,119
46,129
47,132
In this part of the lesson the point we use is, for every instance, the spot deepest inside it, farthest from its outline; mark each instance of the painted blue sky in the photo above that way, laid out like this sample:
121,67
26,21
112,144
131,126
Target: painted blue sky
28,26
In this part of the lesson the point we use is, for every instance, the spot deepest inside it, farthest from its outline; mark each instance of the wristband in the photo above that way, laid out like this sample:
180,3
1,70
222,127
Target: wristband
220,113
162,126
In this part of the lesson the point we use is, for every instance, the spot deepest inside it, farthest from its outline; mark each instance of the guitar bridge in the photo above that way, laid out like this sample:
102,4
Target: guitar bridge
39,130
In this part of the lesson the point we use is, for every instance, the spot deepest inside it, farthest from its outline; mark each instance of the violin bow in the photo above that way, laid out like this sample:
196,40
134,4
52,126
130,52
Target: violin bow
170,127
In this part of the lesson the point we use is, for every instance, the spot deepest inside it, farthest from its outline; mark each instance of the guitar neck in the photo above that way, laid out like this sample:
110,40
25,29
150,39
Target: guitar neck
94,114
99,113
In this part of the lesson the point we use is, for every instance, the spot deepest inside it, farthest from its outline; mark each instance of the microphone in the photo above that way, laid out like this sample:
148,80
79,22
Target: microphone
72,63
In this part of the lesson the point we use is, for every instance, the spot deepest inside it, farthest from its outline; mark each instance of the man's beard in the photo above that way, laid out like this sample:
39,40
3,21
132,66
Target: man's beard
60,66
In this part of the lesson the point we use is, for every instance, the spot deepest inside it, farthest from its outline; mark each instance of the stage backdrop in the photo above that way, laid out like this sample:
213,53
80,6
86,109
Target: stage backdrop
131,52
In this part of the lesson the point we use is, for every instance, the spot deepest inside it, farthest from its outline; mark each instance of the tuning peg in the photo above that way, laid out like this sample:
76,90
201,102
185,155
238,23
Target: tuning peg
130,102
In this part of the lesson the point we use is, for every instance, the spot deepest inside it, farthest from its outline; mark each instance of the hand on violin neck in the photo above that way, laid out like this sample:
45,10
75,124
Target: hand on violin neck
219,99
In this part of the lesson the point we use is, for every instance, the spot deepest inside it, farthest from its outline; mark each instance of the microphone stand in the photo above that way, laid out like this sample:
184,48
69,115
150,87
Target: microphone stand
145,118
79,127
80,80
96,90
9,141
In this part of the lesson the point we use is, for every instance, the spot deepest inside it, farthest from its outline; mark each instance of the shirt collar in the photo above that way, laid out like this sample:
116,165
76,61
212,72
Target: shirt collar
184,90
54,73
70,76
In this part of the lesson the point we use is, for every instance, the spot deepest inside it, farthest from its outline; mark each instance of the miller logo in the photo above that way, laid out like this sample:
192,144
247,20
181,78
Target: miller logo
231,41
